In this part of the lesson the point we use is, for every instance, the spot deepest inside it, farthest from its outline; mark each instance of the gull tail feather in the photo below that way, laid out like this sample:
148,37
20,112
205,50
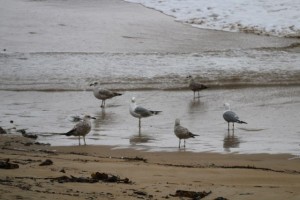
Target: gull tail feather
71,132
192,134
242,122
155,112
117,94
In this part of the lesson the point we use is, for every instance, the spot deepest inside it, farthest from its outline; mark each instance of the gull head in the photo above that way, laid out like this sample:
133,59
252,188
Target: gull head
133,100
177,122
94,83
227,106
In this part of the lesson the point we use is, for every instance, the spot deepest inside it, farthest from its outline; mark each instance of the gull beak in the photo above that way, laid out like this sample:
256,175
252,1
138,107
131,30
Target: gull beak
93,118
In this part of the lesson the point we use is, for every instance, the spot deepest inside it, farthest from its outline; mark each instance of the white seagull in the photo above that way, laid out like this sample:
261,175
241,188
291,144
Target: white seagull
195,86
231,116
103,94
182,132
82,128
140,112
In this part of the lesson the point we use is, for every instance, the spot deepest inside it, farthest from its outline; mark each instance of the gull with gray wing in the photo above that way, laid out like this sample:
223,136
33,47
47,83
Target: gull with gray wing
103,94
182,132
195,86
140,112
231,117
82,128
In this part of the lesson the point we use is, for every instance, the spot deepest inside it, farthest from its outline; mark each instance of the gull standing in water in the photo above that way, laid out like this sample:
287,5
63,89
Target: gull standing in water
195,86
182,132
82,128
103,94
140,112
231,116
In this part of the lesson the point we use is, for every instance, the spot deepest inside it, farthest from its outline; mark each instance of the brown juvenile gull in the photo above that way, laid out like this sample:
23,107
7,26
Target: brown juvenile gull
195,86
103,94
82,128
182,132
231,116
140,112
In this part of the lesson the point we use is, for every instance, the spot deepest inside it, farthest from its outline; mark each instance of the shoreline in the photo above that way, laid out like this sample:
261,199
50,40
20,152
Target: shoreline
179,89
230,176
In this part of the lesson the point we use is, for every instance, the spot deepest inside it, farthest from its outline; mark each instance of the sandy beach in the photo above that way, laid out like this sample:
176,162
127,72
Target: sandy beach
149,175
52,28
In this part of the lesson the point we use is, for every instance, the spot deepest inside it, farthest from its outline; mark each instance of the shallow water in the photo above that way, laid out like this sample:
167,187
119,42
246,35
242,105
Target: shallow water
272,114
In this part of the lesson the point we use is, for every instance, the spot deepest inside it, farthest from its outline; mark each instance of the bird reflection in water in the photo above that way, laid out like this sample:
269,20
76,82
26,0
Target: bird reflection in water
138,139
230,141
195,105
103,119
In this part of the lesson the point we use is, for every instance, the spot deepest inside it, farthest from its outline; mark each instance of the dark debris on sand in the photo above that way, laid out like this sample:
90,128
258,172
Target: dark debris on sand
7,165
109,178
220,198
191,194
47,162
135,159
95,177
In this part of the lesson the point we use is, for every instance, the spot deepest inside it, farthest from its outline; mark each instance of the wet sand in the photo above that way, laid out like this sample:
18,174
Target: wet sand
153,175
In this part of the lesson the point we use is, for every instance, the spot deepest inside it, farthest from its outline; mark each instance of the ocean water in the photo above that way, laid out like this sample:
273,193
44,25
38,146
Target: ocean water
265,17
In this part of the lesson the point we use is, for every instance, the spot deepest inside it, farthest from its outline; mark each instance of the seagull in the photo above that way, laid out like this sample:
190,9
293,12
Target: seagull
103,94
231,116
82,128
140,112
182,132
195,86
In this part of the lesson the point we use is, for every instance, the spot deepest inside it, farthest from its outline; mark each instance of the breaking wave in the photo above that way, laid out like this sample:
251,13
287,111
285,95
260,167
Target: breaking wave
136,71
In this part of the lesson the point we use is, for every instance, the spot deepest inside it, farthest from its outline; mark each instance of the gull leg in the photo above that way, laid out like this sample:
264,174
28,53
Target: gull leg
233,125
79,140
140,123
198,94
228,125
139,126
179,143
84,140
102,104
184,143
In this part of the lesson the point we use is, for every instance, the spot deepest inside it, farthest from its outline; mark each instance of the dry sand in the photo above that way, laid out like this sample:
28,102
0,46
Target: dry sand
151,175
